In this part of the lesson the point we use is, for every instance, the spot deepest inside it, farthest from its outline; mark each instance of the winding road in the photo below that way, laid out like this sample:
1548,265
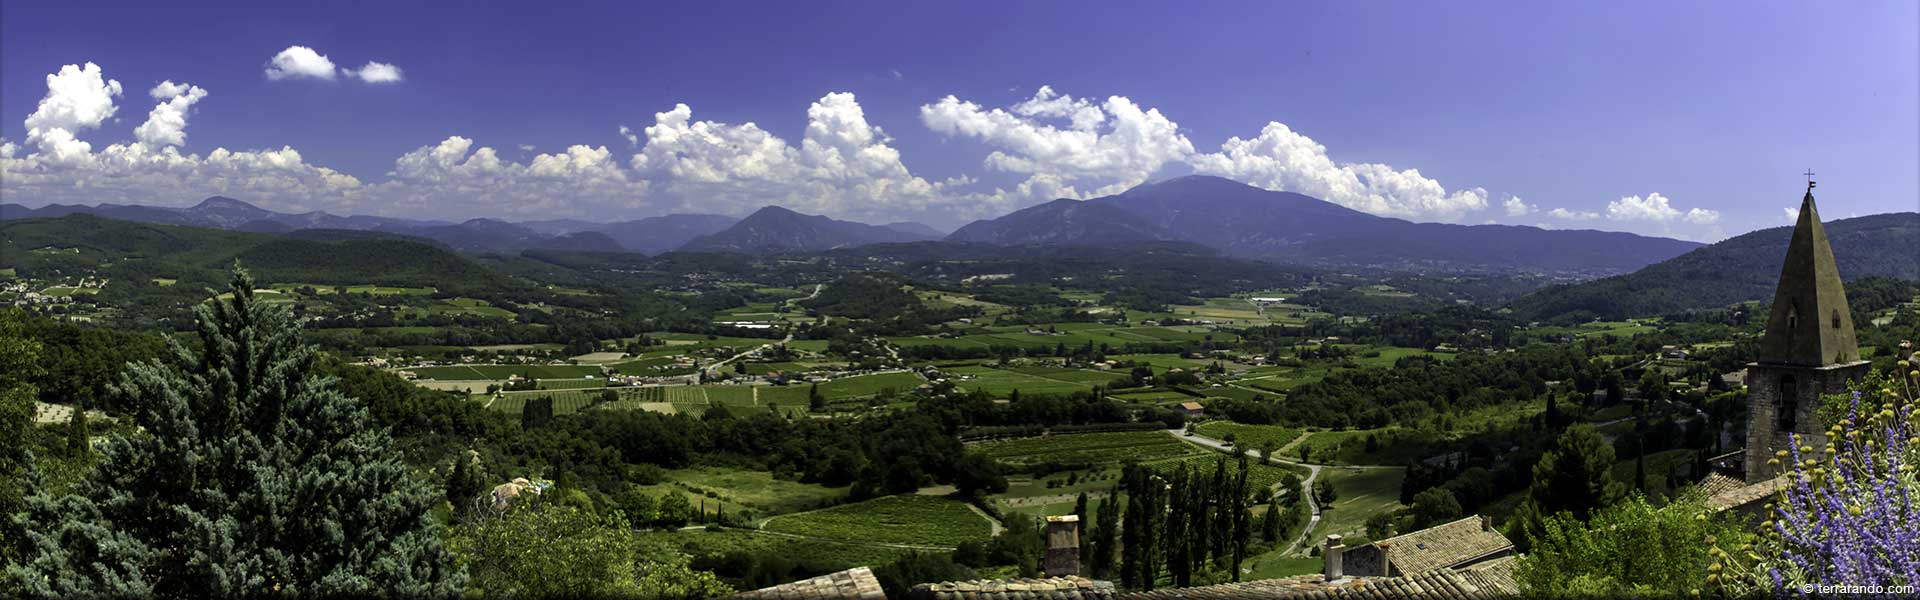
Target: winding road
1306,485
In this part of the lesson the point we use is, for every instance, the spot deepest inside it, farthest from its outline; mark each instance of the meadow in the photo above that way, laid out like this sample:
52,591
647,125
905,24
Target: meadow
1251,437
916,520
1107,448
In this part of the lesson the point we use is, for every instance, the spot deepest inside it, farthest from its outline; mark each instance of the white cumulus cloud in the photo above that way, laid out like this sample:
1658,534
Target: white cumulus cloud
378,72
1063,143
1573,215
1657,208
1517,207
167,123
78,98
297,62
1283,159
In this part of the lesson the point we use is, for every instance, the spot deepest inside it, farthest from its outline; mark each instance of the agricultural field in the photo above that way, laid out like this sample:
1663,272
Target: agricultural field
1358,494
1003,382
1392,446
759,490
1251,437
1259,475
823,555
920,520
1093,448
502,372
375,290
569,384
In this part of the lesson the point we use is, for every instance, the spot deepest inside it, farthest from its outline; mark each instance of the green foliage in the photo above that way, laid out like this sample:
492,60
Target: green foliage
1631,549
1433,507
1576,475
561,551
1737,269
252,476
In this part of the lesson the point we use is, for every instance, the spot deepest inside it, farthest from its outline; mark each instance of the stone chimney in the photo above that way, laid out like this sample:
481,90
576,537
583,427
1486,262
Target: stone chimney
1331,556
1486,523
1386,559
1063,546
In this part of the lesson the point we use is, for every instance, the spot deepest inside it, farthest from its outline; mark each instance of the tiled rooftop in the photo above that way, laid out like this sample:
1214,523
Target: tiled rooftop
852,584
1746,494
1444,545
1493,579
1053,588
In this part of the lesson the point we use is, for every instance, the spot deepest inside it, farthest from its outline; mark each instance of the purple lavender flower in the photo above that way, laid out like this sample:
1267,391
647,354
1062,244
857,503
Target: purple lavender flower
1850,518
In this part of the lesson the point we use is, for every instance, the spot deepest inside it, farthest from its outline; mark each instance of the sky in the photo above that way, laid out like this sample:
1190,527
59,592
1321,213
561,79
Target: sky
1691,119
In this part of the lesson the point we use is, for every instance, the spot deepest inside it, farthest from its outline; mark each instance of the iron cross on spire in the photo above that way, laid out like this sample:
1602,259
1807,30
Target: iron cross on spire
1809,175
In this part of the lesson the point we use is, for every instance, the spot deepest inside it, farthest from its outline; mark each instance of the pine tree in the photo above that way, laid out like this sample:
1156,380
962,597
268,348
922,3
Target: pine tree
253,477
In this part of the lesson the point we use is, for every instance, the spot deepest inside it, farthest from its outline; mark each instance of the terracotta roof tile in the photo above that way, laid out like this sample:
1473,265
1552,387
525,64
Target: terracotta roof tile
852,584
1444,545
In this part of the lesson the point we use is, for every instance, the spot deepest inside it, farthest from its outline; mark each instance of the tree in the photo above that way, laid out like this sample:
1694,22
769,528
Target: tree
1106,527
560,551
253,476
464,482
815,401
19,360
1323,491
1433,507
1653,387
975,473
1380,525
537,413
77,433
1631,549
1270,523
1576,475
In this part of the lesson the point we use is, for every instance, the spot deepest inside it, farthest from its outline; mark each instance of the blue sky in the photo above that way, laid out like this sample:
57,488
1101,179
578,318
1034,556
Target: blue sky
1686,119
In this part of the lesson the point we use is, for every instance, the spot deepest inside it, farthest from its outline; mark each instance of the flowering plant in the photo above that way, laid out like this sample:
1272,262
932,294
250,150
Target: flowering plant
1849,514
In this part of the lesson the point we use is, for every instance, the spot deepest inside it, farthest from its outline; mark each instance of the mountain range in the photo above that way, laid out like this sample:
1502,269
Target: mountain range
650,235
1235,219
774,229
1249,222
1738,269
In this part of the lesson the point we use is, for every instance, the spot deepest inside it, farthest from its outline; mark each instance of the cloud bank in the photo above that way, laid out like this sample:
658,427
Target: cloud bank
1054,144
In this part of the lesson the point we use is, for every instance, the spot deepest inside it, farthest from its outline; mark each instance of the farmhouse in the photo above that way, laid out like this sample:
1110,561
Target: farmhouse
1192,410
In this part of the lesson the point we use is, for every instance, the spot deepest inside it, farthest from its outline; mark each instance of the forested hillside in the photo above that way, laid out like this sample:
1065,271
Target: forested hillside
1737,269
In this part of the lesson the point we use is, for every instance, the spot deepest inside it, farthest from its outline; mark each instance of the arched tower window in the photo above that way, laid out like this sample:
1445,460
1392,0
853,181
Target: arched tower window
1836,319
1788,406
1793,317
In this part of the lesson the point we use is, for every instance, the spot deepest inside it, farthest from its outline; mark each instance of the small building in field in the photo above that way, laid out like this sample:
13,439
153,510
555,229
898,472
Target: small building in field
1192,410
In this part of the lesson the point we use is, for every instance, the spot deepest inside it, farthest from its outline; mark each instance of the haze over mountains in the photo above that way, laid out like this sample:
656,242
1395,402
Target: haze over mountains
1230,217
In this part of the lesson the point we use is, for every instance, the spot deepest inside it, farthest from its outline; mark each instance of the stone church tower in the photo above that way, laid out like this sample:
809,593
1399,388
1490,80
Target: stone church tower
1808,351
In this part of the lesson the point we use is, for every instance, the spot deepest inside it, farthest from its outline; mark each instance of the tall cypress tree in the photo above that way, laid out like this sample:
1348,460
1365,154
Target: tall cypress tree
1179,566
1242,528
1223,505
253,477
1105,530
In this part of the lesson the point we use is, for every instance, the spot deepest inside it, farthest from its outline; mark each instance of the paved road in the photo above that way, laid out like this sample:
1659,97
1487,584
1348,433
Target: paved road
1306,485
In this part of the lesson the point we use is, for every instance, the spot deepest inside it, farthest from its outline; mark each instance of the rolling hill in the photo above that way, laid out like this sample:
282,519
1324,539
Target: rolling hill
774,229
1738,269
650,235
1065,222
1250,222
127,248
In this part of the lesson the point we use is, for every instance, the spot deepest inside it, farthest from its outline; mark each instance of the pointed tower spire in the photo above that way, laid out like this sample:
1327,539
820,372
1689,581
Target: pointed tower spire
1810,325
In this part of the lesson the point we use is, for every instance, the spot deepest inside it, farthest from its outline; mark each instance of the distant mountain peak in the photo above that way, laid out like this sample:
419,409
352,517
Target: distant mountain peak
225,203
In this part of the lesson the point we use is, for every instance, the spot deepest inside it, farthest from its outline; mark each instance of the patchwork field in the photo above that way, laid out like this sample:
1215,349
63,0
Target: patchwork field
1358,494
759,489
1251,437
1093,448
502,372
921,520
